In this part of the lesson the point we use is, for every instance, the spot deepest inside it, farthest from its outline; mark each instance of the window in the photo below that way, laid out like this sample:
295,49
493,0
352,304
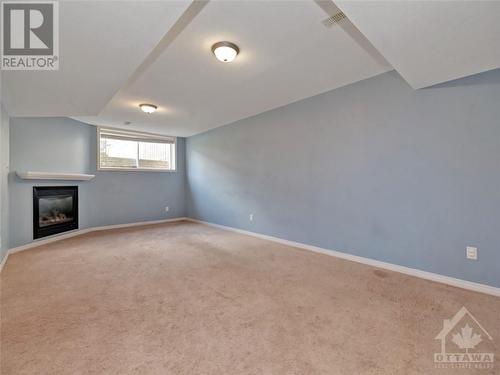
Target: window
126,150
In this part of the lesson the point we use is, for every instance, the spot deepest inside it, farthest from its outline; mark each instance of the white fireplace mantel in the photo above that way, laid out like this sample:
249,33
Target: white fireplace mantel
29,175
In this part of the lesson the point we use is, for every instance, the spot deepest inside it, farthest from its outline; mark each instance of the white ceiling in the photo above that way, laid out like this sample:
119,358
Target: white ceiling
430,42
101,43
115,55
287,54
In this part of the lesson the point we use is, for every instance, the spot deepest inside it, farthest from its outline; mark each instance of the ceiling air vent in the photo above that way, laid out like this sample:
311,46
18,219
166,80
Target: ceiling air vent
335,19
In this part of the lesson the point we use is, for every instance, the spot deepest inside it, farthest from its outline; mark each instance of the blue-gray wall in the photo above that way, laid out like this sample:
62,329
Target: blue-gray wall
4,191
374,169
65,145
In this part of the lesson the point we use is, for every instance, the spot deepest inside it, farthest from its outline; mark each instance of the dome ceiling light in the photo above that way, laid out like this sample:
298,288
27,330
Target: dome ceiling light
225,51
148,108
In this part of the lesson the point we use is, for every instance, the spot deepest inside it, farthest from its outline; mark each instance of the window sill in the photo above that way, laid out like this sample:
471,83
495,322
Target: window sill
99,169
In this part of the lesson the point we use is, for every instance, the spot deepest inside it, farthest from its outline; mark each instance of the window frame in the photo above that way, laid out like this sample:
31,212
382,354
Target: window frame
114,169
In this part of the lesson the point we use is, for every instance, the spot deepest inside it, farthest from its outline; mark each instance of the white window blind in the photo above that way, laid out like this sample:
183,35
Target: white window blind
127,150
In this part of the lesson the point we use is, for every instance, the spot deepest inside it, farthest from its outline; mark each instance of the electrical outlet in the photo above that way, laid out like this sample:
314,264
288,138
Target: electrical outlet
471,253
250,217
167,209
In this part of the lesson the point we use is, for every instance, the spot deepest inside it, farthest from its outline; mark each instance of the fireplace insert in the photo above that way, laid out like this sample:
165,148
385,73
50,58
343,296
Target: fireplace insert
55,210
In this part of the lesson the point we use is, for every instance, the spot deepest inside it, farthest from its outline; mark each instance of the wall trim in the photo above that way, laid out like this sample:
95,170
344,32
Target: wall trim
459,283
79,232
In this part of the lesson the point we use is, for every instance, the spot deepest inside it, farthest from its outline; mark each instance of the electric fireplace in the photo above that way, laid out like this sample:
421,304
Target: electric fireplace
55,210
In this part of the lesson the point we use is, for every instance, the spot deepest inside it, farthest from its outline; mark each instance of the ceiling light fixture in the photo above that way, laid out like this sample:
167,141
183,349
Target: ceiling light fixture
148,108
225,51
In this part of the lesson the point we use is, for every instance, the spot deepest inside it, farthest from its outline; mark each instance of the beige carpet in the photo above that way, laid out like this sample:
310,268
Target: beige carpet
186,298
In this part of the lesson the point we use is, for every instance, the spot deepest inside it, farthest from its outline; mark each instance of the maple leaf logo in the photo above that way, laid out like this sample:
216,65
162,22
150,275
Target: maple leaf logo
466,340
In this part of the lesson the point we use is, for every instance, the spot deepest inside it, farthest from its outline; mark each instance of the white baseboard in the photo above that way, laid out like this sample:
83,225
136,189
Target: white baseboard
459,283
4,260
79,232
